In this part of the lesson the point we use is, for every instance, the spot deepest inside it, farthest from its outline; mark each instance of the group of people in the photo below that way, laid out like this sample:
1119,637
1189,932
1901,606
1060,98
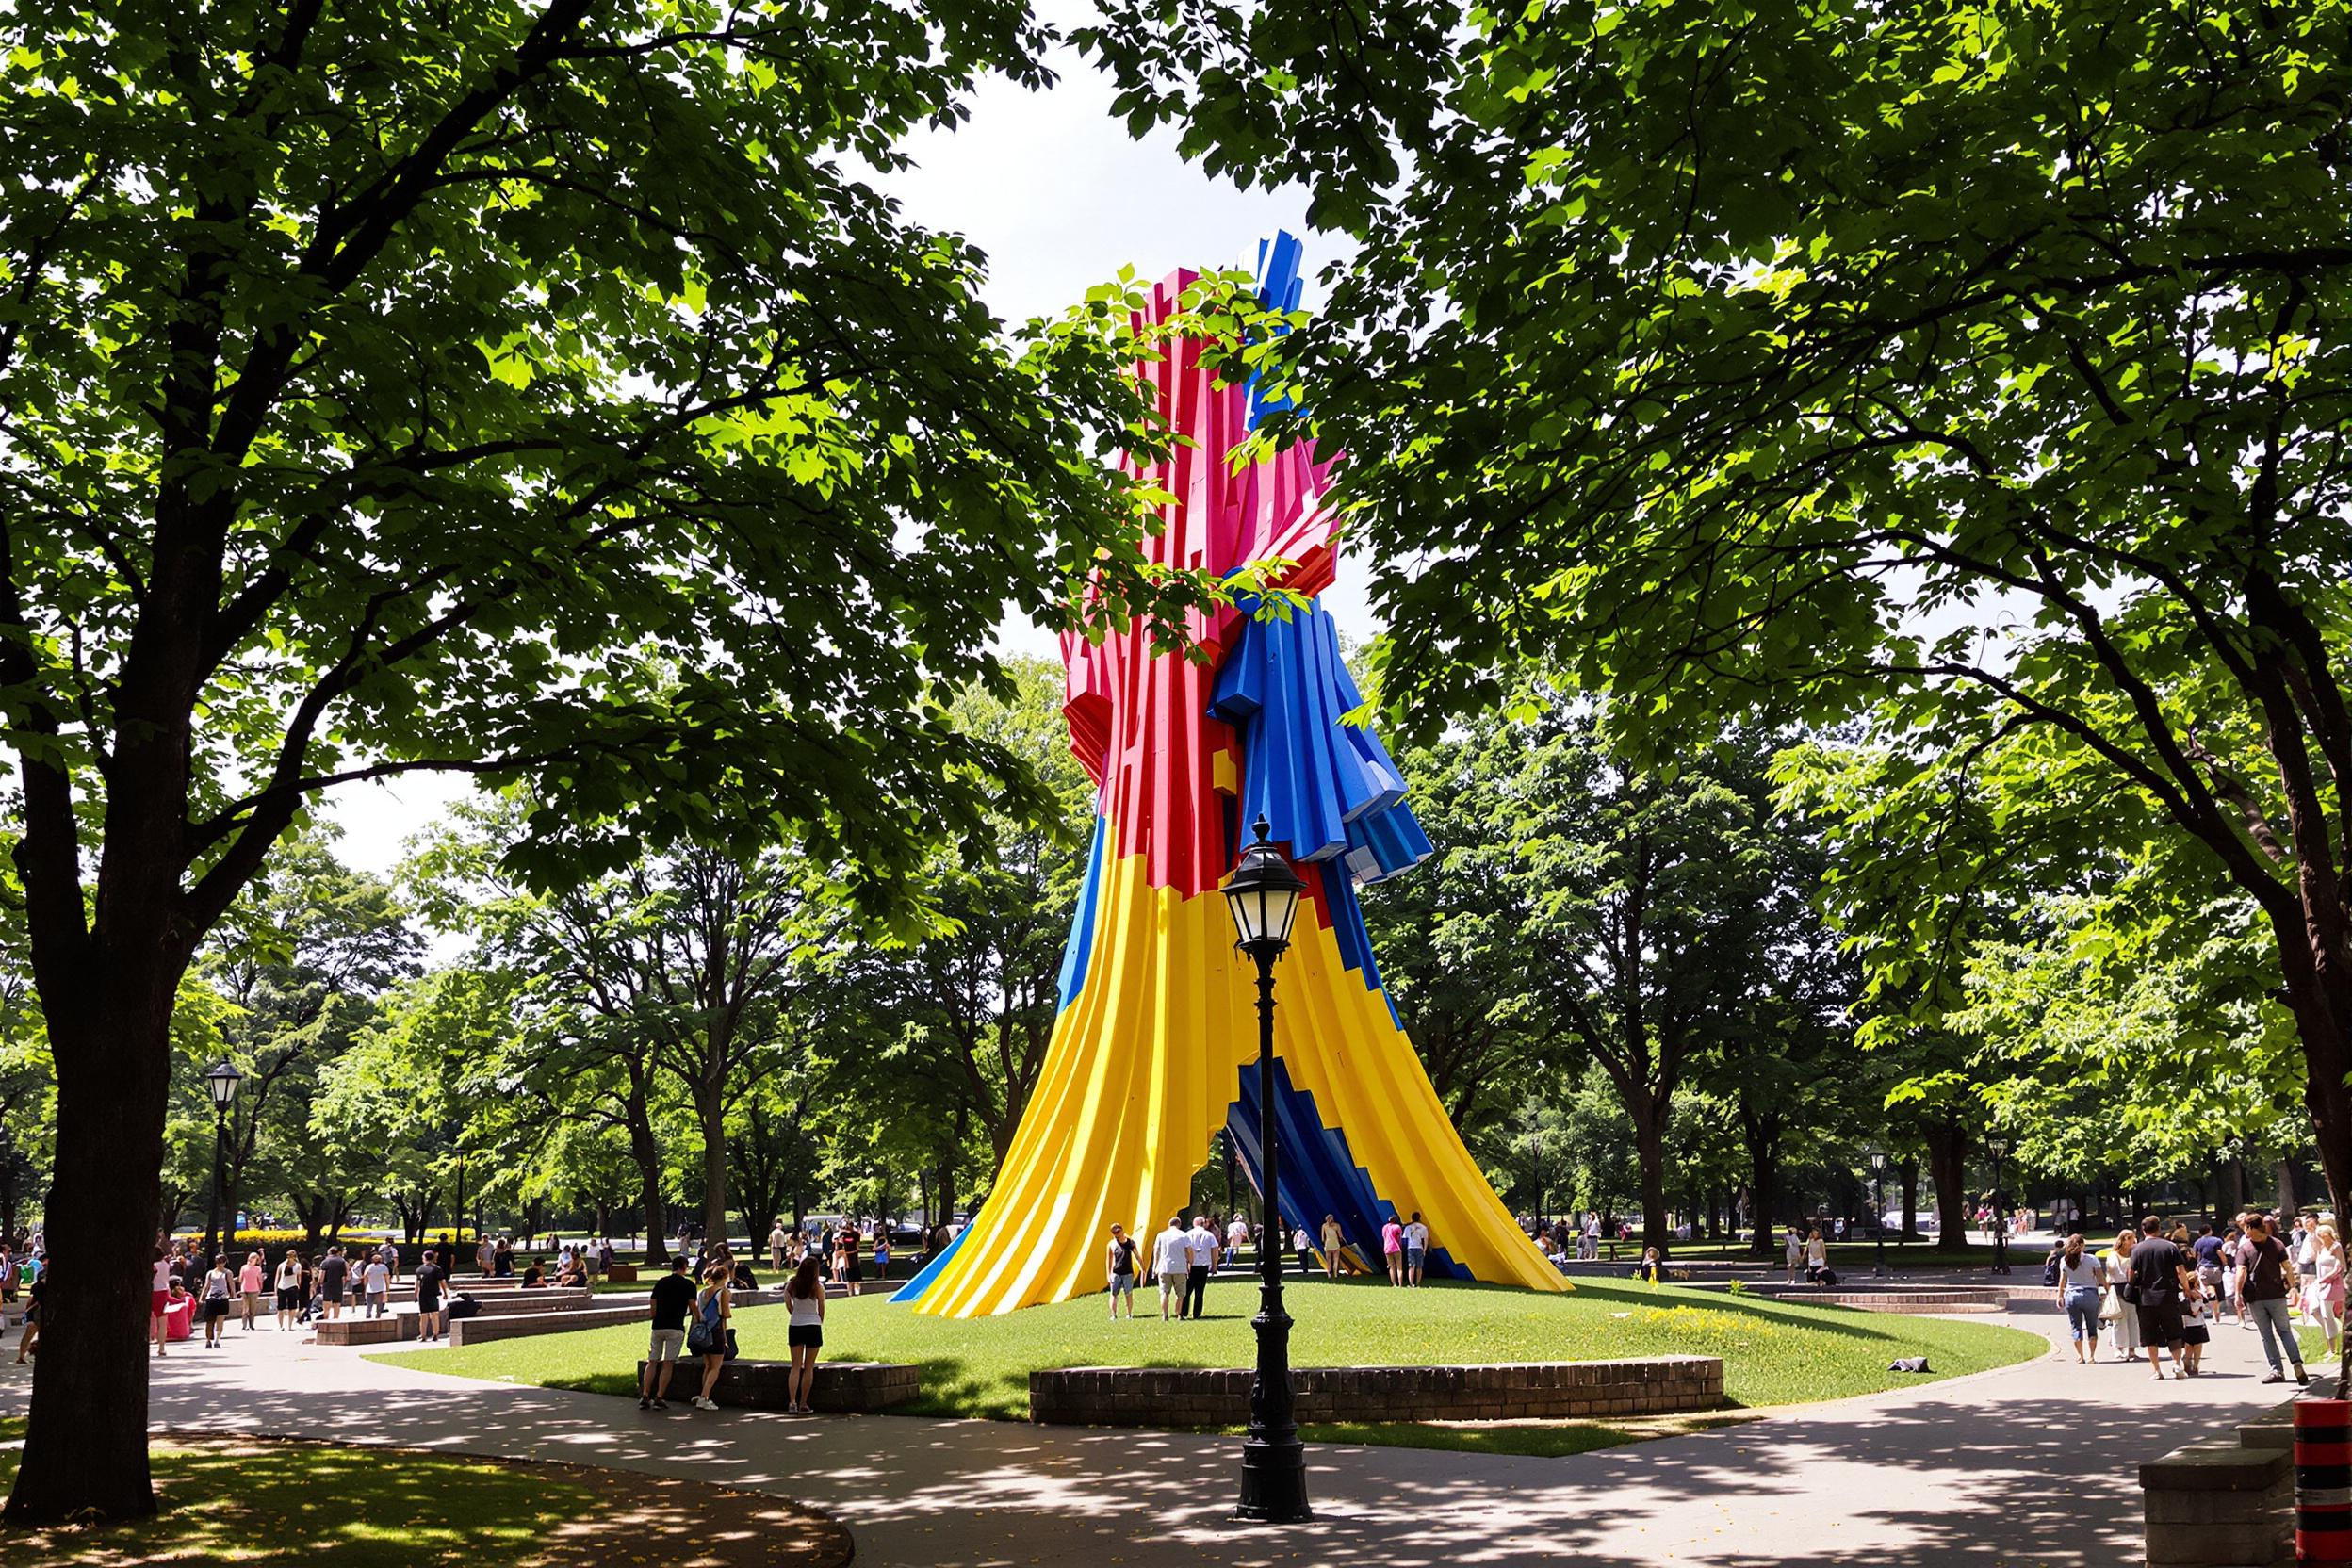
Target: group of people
844,1246
24,1281
693,1311
2157,1289
300,1290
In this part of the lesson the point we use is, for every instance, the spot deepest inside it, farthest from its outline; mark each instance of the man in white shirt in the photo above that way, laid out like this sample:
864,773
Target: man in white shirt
1416,1249
776,1246
1236,1234
1202,1241
1171,1259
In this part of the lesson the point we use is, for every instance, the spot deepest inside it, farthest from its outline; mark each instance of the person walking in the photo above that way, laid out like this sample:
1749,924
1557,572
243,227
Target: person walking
1201,1245
30,1339
1303,1244
1119,1260
376,1281
1236,1232
1416,1240
1171,1262
1815,1259
2160,1282
160,1296
289,1284
2270,1281
713,1310
803,1298
2323,1290
776,1246
1334,1239
1795,1252
431,1278
250,1279
1392,1250
881,1255
486,1255
213,1306
2082,1284
2123,1323
332,1271
672,1299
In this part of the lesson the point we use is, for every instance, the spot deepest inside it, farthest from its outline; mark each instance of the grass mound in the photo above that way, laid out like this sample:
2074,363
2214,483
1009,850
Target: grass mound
1773,1353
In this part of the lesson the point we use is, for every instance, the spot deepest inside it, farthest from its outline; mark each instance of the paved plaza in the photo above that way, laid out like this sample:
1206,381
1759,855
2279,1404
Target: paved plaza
2033,1465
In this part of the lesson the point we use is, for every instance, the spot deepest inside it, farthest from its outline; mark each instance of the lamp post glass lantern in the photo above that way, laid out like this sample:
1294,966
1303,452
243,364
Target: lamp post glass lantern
221,1082
1262,895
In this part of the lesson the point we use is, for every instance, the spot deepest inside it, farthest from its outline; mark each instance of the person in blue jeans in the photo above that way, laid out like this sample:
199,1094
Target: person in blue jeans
2082,1286
2269,1279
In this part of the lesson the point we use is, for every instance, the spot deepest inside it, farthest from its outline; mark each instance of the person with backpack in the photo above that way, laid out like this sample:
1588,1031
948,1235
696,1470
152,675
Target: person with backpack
707,1337
1120,1259
803,1298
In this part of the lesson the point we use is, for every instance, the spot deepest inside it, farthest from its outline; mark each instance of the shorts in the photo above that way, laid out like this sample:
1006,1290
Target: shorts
809,1334
1414,1256
289,1297
1122,1284
851,1274
666,1344
156,1301
2159,1321
331,1294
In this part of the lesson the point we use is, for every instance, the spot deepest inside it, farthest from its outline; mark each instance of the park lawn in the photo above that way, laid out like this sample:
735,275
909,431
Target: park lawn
1773,1353
297,1504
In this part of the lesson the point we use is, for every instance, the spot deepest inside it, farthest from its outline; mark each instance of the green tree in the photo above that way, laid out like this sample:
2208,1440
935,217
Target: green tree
1980,367
515,389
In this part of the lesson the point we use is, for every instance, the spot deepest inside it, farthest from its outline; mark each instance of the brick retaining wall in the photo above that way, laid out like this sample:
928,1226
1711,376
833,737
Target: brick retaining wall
2226,1500
849,1386
1216,1397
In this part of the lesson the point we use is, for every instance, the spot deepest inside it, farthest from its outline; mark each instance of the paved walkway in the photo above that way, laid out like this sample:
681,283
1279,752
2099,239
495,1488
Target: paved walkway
2030,1465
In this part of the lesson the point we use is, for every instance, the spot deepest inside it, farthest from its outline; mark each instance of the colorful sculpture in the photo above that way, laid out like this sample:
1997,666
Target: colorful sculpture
1155,1043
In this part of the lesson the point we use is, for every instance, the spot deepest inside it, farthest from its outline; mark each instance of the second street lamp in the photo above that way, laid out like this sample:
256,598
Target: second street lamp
1878,1218
222,1081
1262,895
1997,1145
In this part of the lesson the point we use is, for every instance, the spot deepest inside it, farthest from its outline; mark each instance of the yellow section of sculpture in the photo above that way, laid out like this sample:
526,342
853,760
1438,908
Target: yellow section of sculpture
1143,1066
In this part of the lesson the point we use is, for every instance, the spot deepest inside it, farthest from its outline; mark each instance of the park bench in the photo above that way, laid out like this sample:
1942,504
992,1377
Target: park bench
400,1322
846,1387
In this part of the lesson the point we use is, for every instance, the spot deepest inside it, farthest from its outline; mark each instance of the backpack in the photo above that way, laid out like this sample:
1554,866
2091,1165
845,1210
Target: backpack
461,1307
2049,1270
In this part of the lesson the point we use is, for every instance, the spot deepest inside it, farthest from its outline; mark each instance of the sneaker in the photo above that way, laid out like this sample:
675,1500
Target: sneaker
644,1403
2301,1376
2275,1378
701,1403
660,1404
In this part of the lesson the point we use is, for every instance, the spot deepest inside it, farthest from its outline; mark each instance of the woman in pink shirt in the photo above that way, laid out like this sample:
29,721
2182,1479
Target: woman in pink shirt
1393,1247
249,1288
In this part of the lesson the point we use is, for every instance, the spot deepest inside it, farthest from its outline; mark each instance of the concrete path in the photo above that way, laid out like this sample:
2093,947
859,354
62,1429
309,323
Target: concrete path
2034,1465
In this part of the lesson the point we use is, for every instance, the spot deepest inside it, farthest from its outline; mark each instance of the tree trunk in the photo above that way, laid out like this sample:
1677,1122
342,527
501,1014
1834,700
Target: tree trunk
1649,1143
1762,1137
710,1109
1947,1164
86,1435
1910,1198
2286,1188
646,1155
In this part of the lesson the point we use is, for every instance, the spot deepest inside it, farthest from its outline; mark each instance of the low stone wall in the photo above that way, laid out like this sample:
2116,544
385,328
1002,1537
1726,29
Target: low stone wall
2225,1501
482,1330
844,1387
356,1328
1939,1299
1194,1397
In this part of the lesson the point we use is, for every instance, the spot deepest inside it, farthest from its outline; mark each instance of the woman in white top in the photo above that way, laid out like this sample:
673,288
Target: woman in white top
214,1307
2082,1283
160,1296
1796,1254
1816,1256
289,1284
2323,1290
2123,1330
803,1298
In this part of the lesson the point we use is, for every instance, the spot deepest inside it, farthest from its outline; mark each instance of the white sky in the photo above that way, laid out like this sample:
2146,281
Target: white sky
1059,197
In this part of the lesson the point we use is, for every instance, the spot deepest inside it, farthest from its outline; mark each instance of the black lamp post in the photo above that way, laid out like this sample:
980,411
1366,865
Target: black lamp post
1263,893
222,1081
1997,1145
1878,1212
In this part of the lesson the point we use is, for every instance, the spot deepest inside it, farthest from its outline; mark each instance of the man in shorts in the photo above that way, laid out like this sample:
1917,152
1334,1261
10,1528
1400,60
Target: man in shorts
429,1278
673,1299
1416,1249
2160,1280
333,1270
1171,1259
